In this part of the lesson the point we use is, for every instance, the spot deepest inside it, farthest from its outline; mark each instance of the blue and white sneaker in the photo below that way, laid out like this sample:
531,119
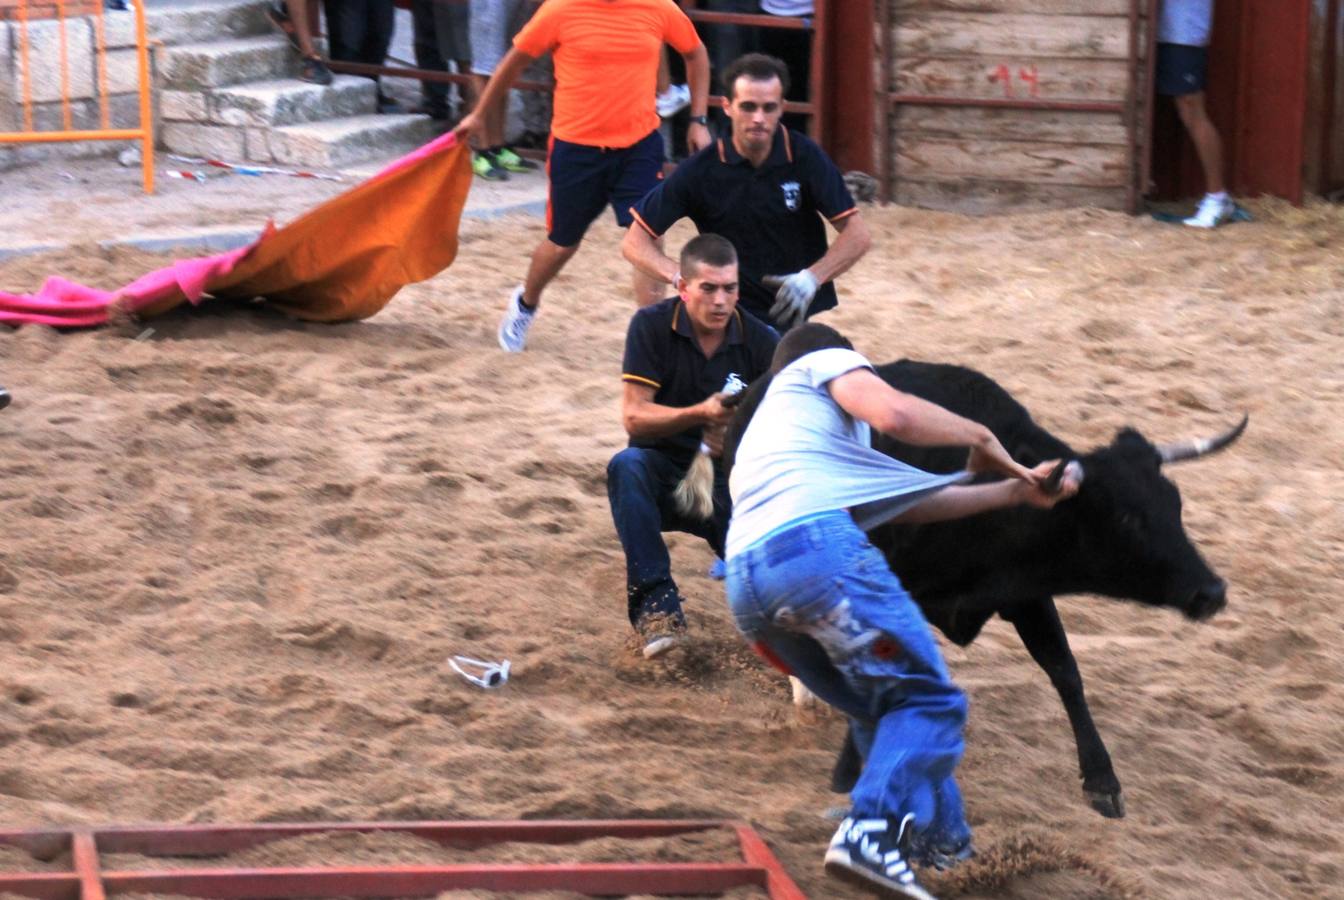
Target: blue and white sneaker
873,853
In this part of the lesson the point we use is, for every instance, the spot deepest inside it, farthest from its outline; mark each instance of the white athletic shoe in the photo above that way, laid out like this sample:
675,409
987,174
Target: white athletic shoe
673,100
517,319
1214,210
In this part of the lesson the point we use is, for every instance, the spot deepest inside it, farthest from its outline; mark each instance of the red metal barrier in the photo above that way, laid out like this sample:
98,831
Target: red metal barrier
89,881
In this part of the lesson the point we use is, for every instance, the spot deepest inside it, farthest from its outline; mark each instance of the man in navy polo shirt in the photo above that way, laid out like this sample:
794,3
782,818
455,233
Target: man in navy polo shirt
679,356
766,189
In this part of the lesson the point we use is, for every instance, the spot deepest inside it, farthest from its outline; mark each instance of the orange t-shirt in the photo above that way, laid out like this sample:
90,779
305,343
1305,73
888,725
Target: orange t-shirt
606,64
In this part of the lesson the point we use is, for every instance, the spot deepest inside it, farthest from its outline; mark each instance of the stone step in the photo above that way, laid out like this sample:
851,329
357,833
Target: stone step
193,21
290,102
342,142
194,67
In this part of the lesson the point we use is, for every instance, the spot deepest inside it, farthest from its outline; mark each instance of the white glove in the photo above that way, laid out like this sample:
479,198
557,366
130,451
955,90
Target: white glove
793,295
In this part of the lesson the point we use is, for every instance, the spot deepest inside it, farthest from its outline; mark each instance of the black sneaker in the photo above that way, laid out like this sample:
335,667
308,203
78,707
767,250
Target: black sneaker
940,856
439,112
873,853
660,632
314,71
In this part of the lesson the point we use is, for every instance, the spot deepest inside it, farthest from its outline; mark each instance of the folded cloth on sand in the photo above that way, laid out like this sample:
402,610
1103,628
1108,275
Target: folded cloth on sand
343,260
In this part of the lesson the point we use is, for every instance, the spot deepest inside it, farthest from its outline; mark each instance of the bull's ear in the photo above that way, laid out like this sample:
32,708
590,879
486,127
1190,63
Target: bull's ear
1131,442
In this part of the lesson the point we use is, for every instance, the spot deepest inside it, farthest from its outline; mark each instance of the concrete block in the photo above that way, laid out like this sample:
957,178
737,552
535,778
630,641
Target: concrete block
44,59
211,141
291,102
118,28
259,145
31,153
342,142
186,23
220,63
123,71
183,106
85,115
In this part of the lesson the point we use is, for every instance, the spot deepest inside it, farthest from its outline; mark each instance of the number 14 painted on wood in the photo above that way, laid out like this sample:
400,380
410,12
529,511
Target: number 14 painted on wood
1027,75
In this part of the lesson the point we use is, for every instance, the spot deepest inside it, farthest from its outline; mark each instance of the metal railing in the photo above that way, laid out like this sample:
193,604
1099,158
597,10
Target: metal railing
144,132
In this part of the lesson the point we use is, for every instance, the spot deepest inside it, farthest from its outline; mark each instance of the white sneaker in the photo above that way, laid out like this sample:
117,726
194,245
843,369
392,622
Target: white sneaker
517,319
1213,211
673,100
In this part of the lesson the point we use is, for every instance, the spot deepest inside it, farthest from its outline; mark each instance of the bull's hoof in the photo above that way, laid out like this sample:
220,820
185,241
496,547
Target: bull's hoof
1112,806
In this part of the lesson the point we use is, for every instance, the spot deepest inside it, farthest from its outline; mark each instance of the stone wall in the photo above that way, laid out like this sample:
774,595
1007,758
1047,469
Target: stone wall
42,84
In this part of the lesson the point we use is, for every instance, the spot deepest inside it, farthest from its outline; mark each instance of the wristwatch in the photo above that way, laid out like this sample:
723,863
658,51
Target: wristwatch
700,120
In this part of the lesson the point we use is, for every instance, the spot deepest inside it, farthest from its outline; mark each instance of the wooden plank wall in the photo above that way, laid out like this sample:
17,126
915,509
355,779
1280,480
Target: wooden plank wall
979,159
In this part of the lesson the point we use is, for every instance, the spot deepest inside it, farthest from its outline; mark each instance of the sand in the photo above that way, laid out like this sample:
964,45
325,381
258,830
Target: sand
239,550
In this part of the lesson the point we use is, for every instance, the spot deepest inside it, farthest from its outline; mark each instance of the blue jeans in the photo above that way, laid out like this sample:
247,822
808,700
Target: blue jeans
640,482
821,600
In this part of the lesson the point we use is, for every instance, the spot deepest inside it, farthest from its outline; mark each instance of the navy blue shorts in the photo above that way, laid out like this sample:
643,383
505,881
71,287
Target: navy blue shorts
584,179
1181,69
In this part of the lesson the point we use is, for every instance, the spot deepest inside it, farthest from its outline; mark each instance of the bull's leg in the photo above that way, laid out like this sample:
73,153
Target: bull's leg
1038,625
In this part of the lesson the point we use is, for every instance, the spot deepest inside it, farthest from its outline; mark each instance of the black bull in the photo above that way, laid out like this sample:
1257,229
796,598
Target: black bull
1120,536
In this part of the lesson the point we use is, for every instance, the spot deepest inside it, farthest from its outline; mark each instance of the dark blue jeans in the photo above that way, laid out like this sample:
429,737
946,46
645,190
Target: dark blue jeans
639,486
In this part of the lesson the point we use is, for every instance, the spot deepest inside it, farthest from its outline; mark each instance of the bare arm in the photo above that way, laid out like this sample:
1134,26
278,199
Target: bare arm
958,501
916,421
642,251
851,243
697,76
510,68
643,418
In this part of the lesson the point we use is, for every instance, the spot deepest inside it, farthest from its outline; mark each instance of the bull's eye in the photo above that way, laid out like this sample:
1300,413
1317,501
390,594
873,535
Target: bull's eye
1131,522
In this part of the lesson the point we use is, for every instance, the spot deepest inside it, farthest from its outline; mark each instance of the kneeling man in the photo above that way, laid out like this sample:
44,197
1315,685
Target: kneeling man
680,354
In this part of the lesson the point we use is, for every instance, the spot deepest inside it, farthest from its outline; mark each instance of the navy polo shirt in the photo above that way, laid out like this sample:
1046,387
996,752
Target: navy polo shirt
772,214
661,351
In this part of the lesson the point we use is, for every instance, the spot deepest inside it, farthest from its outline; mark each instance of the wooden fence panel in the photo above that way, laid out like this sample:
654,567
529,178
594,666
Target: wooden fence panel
978,95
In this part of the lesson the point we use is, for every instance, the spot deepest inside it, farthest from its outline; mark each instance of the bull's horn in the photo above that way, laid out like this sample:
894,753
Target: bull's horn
1173,453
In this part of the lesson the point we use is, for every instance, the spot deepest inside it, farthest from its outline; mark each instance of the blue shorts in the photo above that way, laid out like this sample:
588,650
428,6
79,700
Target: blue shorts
584,179
1181,69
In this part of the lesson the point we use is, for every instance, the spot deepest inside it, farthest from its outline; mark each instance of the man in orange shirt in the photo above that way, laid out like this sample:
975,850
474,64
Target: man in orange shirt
605,147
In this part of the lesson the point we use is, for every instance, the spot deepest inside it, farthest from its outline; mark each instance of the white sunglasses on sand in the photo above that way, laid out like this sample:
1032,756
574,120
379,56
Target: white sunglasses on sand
492,675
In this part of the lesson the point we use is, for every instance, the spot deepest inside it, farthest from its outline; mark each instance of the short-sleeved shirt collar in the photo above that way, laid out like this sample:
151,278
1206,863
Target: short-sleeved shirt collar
682,325
781,150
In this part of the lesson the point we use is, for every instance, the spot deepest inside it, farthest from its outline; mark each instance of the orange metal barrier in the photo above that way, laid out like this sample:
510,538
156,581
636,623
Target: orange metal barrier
144,133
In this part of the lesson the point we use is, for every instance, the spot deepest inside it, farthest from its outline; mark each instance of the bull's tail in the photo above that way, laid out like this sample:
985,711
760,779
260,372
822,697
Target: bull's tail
694,495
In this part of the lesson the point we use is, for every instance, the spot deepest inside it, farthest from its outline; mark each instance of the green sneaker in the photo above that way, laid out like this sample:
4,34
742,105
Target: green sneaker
485,167
505,158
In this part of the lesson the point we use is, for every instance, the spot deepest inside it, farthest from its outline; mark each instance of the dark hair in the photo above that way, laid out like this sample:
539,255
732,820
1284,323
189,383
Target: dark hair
792,347
757,67
708,250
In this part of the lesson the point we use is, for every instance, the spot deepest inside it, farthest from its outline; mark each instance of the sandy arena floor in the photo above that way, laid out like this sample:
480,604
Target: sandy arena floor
241,548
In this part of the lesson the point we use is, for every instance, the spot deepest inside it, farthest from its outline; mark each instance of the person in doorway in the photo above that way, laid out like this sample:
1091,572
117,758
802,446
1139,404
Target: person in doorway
816,599
766,189
441,36
605,145
679,356
1183,31
360,31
